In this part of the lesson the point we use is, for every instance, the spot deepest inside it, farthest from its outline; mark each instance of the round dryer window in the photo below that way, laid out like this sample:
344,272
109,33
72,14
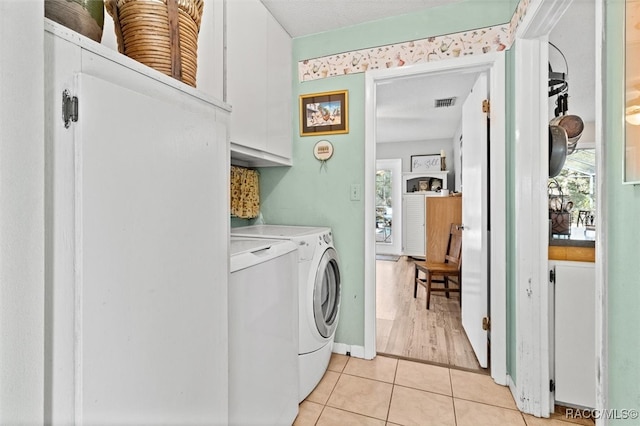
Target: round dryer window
326,293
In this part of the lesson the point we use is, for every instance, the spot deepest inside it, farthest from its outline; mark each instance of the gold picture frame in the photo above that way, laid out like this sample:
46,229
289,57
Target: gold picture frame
325,113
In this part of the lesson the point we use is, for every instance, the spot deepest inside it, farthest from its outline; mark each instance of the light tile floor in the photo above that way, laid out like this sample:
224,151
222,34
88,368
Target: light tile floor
388,391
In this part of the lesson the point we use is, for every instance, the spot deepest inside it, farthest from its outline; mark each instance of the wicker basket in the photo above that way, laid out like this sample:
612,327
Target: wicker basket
162,34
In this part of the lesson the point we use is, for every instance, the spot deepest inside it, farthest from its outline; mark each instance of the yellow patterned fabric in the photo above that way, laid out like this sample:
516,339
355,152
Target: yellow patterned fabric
245,193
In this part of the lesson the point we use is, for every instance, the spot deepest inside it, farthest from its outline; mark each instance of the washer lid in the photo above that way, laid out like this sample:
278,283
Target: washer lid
277,231
248,252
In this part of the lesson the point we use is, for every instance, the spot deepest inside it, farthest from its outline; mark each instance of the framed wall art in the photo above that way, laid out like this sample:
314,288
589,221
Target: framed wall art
324,113
425,163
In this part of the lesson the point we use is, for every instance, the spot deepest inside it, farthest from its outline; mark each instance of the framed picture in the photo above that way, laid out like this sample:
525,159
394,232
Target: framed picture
425,163
324,113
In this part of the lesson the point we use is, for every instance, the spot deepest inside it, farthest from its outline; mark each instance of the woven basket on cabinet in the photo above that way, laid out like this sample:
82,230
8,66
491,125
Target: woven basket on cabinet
162,34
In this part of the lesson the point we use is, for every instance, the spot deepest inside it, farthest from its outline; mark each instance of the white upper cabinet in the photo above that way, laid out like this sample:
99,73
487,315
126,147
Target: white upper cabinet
258,82
278,108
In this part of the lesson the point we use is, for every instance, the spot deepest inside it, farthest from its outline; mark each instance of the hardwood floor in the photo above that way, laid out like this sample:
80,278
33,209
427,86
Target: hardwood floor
405,328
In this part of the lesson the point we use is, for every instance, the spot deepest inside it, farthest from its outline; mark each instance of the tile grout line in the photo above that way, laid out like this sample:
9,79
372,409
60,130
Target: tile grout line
393,387
353,412
325,405
453,400
523,419
488,404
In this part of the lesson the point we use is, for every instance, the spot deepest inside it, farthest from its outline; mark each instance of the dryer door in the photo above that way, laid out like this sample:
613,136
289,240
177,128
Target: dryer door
326,293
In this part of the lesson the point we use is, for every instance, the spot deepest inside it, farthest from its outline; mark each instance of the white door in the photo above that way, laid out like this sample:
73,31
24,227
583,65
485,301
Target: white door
389,206
151,258
475,219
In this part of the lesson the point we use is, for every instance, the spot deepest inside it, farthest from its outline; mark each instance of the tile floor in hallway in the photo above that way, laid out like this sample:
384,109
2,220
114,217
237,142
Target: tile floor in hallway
389,391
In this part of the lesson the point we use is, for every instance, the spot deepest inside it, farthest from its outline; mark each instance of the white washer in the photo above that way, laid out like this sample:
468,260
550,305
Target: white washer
263,332
319,294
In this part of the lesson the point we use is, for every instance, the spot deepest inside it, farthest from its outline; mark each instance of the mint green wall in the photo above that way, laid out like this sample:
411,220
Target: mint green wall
305,194
623,231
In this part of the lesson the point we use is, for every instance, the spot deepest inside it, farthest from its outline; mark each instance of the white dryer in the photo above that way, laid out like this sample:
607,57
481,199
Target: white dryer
319,294
263,332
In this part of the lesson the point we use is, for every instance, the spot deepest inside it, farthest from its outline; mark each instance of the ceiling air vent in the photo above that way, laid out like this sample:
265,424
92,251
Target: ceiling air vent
446,102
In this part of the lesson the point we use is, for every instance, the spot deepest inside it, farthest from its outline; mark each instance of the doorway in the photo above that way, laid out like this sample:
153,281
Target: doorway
532,319
493,65
405,326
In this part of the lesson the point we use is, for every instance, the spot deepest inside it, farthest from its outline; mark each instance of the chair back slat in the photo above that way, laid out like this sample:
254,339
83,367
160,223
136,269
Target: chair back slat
454,248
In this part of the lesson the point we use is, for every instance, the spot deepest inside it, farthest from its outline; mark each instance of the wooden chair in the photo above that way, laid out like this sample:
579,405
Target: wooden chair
450,268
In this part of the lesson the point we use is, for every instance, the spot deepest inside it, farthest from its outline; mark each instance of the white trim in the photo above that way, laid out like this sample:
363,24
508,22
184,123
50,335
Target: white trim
498,219
602,242
355,351
531,227
541,17
512,386
495,64
369,218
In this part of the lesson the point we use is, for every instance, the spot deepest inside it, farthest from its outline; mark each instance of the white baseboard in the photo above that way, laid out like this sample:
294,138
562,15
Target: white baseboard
353,350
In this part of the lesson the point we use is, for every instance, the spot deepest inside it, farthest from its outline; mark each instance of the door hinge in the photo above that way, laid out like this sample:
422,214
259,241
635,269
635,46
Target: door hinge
552,386
486,324
486,106
69,108
552,276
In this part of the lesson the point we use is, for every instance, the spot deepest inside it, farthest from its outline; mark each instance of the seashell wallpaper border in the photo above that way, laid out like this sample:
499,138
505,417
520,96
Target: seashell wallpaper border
449,46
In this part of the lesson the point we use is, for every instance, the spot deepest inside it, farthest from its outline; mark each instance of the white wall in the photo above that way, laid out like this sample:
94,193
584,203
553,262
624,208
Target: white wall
21,212
405,150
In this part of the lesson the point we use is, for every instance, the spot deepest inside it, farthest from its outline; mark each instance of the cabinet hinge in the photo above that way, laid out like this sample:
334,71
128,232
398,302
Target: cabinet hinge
552,386
552,276
486,106
69,108
486,323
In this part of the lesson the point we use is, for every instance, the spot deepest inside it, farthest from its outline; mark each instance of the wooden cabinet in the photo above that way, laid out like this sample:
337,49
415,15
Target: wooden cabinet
440,213
136,241
259,88
426,223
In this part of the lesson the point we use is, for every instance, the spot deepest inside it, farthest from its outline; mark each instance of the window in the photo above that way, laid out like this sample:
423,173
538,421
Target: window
577,182
383,207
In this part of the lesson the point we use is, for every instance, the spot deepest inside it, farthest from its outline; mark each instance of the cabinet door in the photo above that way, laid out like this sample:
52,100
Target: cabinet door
62,62
279,83
414,235
151,286
441,212
246,73
575,338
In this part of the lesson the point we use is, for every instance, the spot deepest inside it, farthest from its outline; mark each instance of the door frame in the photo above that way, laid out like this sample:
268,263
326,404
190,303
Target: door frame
395,165
533,356
494,64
